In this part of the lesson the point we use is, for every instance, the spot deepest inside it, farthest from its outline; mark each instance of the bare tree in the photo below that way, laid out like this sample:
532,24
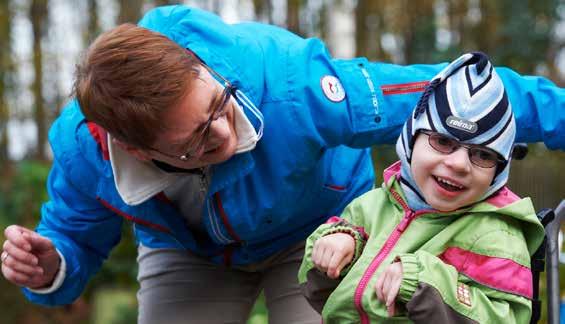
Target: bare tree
164,2
369,27
38,15
418,30
263,10
457,11
5,68
323,22
486,31
293,15
130,11
93,28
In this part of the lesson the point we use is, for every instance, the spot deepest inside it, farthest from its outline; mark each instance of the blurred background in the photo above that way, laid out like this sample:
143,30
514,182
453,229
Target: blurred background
40,41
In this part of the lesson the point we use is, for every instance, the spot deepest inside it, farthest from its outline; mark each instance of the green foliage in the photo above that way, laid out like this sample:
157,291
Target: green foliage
22,191
120,270
524,32
114,306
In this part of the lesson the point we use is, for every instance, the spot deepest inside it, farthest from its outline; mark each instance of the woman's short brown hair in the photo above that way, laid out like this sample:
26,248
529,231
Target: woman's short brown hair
128,77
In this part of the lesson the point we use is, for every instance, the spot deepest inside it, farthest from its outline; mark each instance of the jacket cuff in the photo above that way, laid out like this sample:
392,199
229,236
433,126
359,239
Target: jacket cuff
59,278
410,272
358,235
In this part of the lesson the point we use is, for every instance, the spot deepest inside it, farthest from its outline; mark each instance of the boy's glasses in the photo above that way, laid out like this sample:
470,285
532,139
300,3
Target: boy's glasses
478,155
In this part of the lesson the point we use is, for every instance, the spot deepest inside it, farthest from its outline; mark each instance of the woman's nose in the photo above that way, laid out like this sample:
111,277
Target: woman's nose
219,131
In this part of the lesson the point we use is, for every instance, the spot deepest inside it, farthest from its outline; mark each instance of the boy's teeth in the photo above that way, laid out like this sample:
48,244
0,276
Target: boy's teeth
449,183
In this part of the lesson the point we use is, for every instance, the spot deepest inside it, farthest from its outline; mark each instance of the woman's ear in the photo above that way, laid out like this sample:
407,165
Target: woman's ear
132,150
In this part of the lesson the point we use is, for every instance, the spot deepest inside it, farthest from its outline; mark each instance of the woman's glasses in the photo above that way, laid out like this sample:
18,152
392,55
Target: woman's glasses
197,142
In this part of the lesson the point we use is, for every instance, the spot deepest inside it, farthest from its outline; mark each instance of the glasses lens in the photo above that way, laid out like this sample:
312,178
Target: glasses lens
196,145
483,157
199,141
219,110
442,143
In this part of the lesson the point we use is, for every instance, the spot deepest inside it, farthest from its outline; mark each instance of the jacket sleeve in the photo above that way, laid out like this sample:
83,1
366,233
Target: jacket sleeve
315,285
367,105
437,292
381,97
80,228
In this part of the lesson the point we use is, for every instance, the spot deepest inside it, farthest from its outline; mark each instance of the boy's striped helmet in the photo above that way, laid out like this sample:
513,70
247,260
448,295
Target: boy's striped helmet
465,101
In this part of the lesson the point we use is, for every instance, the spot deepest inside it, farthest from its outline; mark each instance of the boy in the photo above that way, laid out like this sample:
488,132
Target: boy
443,240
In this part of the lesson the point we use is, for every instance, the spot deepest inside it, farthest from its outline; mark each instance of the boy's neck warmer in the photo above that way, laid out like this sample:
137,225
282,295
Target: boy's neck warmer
465,101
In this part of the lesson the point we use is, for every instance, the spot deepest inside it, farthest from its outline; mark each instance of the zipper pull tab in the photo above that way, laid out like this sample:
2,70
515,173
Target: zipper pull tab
406,220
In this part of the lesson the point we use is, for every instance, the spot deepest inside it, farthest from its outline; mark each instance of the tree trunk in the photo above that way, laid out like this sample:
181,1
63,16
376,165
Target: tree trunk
419,32
38,14
360,28
130,11
293,16
369,27
164,2
5,70
323,22
93,28
457,11
486,33
263,10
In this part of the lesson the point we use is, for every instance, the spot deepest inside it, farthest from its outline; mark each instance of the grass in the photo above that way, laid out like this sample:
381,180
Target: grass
114,306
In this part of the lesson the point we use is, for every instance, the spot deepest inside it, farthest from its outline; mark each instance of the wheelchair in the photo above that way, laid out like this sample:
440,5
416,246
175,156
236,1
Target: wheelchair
547,258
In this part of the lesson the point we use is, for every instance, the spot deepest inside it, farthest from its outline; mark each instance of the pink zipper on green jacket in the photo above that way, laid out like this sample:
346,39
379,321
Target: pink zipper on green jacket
409,216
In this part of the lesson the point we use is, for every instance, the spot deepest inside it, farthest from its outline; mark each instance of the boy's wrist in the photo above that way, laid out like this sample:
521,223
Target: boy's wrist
411,270
359,239
57,280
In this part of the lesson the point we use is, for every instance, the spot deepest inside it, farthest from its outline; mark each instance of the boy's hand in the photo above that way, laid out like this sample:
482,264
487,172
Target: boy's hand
28,259
388,285
333,252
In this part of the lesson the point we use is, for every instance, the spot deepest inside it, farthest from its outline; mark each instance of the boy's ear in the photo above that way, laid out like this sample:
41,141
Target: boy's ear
132,150
519,151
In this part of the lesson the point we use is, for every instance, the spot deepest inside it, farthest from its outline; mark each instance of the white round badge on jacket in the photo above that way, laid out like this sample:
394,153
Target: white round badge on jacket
332,88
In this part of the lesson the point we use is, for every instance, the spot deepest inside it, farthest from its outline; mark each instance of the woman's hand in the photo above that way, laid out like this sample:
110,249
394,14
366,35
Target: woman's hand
28,259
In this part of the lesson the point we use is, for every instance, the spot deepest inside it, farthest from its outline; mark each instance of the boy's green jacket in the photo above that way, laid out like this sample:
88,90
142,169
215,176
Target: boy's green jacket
468,266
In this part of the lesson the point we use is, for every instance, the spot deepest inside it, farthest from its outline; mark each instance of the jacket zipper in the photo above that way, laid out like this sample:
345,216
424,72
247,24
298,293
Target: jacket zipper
400,88
203,191
409,216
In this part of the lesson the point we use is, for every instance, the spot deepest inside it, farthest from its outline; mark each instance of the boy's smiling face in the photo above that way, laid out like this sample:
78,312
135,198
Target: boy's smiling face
448,181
